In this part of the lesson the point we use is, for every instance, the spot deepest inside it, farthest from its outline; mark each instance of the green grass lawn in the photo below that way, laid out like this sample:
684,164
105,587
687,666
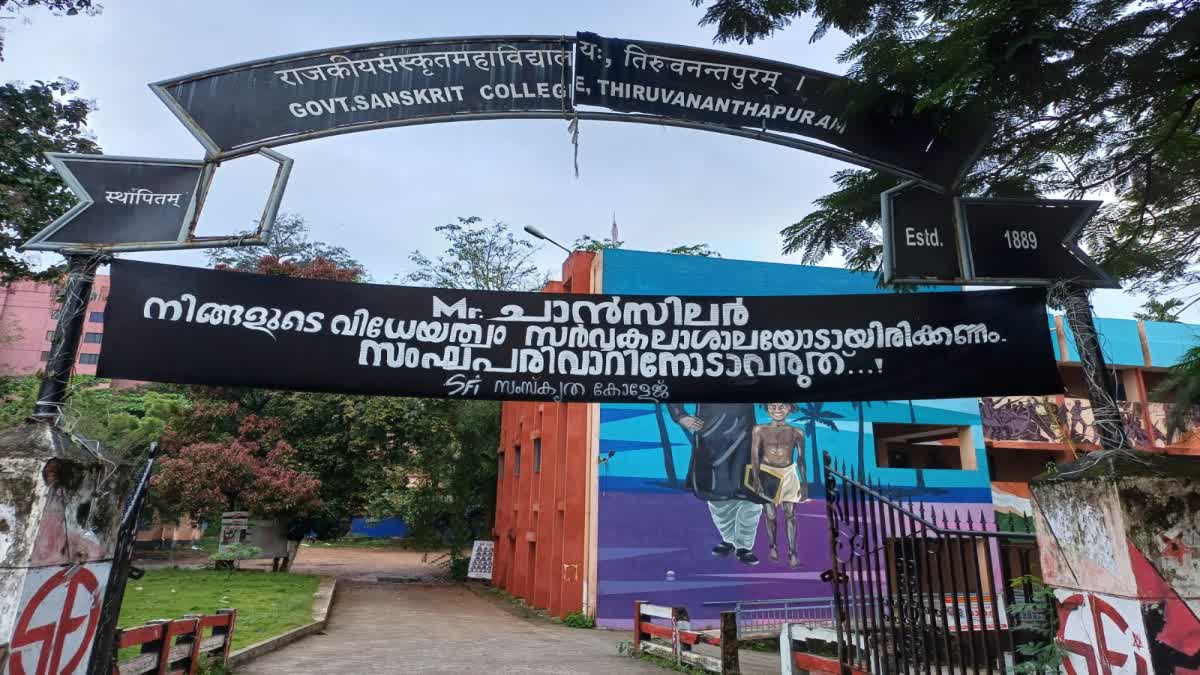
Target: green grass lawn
267,603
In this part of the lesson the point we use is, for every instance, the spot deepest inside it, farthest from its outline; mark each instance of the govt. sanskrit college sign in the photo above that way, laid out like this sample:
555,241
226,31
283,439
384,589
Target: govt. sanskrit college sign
189,325
250,107
239,109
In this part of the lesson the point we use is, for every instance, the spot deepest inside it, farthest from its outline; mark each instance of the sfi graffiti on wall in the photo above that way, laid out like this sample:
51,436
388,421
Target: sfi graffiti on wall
57,620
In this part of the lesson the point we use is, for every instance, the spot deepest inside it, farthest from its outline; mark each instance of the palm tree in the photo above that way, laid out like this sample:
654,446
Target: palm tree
668,455
1161,310
862,460
1182,387
813,414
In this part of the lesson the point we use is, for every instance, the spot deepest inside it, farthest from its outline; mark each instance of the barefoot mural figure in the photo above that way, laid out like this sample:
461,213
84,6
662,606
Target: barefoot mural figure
777,473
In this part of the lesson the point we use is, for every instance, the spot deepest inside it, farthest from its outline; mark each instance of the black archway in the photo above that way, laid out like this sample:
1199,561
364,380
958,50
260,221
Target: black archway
242,108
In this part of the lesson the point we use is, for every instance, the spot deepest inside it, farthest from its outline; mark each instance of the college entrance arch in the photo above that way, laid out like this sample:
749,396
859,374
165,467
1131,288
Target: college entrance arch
619,348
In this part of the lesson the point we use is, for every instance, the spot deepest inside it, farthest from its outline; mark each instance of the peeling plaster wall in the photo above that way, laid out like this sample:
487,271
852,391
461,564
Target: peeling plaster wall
1122,550
1084,523
60,507
1162,520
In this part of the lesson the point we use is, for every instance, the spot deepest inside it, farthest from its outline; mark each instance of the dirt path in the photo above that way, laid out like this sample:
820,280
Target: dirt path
360,564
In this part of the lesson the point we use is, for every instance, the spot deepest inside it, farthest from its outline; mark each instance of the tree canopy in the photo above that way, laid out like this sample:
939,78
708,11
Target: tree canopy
35,119
123,421
289,249
1088,96
480,256
15,8
220,460
587,243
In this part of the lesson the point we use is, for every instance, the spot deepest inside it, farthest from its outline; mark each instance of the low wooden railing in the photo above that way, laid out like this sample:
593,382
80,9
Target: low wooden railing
793,660
170,647
681,638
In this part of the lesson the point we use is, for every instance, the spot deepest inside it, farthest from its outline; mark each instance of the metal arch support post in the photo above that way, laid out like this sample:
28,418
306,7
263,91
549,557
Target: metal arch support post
266,222
270,212
81,273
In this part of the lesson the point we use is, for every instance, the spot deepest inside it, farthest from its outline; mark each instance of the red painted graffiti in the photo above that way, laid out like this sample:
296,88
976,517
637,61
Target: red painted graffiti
52,636
1107,658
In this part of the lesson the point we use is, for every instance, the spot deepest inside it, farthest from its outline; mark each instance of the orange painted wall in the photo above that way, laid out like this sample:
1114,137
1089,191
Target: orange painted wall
541,526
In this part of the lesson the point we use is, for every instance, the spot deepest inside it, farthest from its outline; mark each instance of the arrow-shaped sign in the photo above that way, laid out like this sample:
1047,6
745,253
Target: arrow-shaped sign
125,203
920,237
930,238
1028,242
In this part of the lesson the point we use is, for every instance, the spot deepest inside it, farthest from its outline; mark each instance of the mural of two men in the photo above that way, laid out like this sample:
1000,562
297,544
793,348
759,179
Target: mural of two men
741,468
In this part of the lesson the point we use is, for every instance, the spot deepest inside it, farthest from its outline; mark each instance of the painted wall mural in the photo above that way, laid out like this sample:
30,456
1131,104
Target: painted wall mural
1050,419
684,516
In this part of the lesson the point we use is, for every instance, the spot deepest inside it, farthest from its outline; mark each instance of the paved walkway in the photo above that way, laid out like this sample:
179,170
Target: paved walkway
391,615
425,628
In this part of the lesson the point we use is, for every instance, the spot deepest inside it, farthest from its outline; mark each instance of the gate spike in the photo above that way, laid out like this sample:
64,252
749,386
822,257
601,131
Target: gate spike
945,522
970,525
982,522
957,520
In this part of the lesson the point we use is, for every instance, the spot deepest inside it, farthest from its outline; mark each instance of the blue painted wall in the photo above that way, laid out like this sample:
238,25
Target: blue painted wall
1119,338
1169,341
388,527
655,540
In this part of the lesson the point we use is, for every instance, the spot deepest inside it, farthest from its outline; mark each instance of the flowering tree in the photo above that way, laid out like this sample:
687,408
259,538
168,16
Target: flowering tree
250,469
317,268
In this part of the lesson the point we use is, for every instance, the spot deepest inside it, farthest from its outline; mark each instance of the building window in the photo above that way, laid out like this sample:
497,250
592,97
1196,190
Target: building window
89,359
537,455
93,338
45,356
516,460
96,317
50,335
94,296
1154,380
55,313
924,446
500,466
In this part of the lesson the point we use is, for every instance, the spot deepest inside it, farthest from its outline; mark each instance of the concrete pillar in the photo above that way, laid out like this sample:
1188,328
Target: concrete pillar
1119,542
60,506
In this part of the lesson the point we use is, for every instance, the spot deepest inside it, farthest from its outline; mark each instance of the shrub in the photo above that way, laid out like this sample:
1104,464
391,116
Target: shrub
229,556
579,620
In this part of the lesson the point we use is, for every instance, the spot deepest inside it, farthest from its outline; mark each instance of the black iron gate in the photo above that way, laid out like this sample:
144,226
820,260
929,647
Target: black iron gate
916,591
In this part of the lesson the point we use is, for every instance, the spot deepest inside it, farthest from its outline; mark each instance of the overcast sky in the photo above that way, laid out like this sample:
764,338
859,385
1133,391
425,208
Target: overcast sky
381,193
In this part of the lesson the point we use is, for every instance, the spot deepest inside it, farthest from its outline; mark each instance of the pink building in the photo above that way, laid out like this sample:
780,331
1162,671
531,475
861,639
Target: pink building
28,316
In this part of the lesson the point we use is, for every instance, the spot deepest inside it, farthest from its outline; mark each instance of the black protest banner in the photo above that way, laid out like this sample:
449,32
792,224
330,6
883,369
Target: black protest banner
702,85
276,100
189,325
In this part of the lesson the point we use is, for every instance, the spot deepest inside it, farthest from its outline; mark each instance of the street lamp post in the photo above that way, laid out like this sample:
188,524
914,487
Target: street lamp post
542,235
